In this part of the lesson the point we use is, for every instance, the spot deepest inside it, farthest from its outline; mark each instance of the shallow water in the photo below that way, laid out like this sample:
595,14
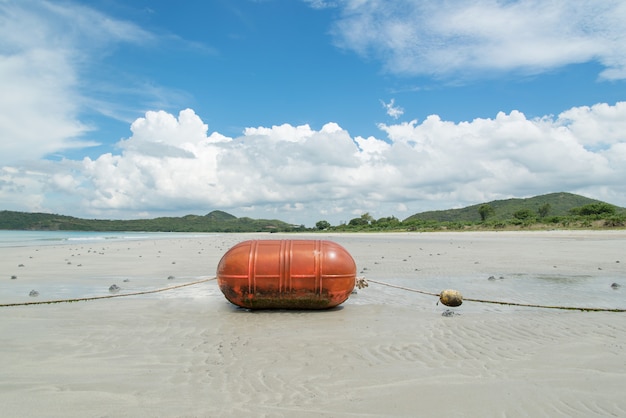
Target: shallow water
553,290
36,238
89,287
412,261
581,291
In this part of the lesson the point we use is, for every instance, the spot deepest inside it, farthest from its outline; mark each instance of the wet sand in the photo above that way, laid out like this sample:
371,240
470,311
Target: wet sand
385,352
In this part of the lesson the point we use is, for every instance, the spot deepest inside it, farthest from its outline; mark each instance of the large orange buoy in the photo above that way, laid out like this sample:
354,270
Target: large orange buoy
286,274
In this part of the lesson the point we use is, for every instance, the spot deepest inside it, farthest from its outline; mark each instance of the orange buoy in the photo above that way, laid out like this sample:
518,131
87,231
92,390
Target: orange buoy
286,274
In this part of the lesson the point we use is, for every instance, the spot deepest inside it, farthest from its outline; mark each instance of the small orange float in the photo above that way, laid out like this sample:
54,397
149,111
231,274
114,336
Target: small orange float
286,274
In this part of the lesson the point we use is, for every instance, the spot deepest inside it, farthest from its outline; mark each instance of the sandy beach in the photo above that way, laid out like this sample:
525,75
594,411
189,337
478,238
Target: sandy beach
386,352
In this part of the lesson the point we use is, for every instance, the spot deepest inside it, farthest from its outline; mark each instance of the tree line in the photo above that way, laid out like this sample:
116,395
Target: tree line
593,215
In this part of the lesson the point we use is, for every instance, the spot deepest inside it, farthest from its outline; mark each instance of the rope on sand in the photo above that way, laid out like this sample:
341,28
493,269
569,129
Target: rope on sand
145,292
361,282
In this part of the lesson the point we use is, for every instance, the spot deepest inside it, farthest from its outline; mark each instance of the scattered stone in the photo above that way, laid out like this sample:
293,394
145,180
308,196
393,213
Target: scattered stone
170,277
126,280
173,262
449,312
491,278
33,293
114,288
616,285
13,277
20,265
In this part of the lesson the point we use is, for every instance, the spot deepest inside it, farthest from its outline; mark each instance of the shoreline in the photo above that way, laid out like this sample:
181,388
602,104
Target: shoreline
384,352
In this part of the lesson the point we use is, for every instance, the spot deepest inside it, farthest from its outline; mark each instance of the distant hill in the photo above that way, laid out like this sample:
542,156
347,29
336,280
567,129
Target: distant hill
218,216
560,205
216,221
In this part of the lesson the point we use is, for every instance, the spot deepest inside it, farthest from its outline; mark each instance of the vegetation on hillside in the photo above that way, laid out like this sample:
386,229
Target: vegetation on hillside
555,210
216,221
553,204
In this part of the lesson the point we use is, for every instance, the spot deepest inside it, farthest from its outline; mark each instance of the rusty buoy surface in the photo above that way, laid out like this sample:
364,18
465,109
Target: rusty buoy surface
451,297
286,274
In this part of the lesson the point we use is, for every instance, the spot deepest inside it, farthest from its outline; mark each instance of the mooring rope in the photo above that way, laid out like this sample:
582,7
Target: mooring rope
119,295
361,282
527,305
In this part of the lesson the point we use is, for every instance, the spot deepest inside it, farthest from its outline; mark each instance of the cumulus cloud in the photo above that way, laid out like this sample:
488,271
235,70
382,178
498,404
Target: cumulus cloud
172,165
455,38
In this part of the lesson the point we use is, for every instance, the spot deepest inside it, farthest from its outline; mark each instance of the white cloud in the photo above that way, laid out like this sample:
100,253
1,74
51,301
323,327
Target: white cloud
471,37
44,48
321,4
302,175
599,125
37,105
284,132
392,110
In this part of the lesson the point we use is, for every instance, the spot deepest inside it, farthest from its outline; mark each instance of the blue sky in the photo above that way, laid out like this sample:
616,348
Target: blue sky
307,110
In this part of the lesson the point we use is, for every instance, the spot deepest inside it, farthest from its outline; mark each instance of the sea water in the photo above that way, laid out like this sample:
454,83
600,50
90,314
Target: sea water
36,238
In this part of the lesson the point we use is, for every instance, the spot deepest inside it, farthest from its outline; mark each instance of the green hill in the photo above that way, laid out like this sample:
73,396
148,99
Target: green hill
560,204
218,216
216,221
566,209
